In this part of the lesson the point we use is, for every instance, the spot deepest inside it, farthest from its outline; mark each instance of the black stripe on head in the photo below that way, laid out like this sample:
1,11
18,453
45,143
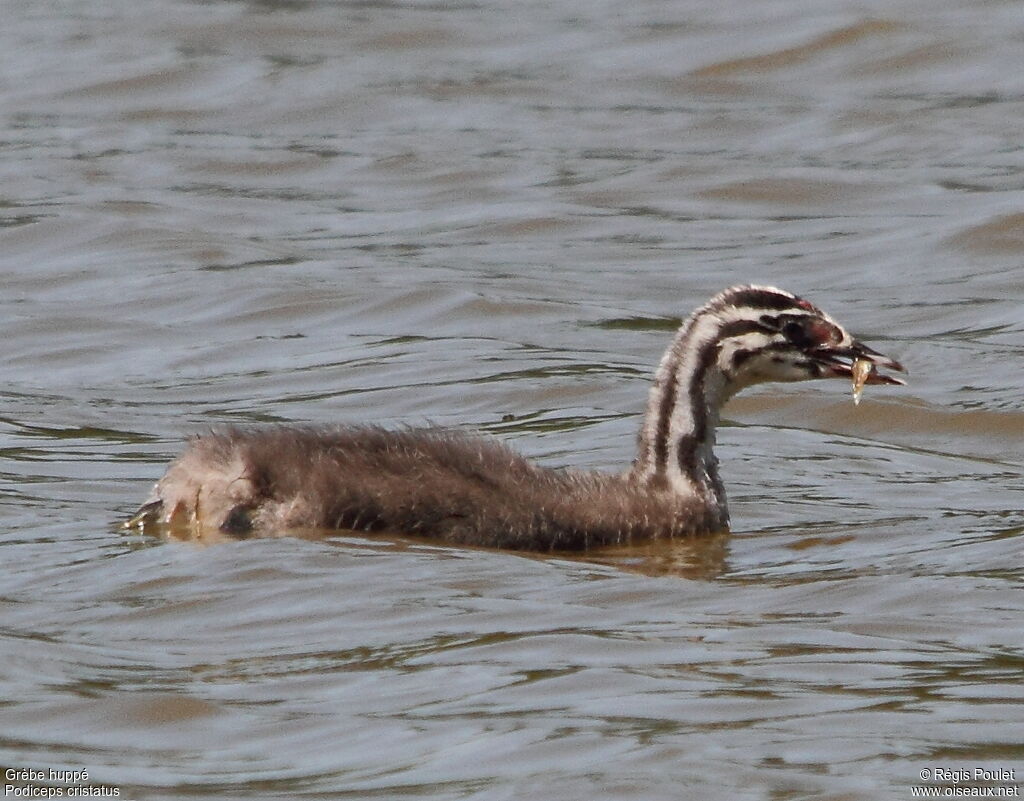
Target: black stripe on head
740,357
754,297
739,328
805,331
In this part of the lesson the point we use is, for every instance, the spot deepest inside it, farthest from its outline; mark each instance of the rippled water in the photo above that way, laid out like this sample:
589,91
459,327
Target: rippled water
493,215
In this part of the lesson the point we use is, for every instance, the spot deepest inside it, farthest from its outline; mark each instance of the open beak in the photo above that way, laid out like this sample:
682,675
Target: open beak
838,363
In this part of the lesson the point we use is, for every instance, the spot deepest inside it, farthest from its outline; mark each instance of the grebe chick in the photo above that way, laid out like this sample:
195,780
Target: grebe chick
462,489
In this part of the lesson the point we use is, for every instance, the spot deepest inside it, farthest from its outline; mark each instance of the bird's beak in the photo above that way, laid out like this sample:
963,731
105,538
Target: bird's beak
838,363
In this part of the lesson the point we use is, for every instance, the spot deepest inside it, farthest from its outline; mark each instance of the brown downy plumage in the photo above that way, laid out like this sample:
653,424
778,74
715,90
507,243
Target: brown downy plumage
469,490
426,482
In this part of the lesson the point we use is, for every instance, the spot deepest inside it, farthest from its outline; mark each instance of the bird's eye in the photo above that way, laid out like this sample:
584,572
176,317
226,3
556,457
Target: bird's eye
795,333
807,333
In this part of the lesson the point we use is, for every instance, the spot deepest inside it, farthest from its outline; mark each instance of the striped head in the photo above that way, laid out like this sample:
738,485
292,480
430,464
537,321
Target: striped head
743,336
758,334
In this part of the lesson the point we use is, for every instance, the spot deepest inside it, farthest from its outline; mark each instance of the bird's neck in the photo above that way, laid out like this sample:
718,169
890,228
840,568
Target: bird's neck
676,449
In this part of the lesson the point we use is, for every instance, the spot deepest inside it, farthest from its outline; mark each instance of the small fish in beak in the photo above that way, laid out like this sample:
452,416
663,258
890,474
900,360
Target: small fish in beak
859,373
860,364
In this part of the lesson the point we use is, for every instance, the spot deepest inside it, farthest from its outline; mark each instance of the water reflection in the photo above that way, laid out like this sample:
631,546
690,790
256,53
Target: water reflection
696,558
693,558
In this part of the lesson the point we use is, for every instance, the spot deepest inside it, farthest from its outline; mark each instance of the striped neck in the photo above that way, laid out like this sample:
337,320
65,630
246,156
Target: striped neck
744,335
678,434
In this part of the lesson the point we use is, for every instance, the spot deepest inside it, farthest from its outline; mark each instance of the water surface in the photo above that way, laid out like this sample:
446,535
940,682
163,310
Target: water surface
492,217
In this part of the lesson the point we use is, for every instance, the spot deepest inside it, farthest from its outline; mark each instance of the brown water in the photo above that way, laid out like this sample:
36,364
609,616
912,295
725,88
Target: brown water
400,212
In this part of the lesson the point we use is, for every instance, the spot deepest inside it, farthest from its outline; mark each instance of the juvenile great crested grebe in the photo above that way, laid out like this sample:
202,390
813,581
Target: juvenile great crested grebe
469,490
